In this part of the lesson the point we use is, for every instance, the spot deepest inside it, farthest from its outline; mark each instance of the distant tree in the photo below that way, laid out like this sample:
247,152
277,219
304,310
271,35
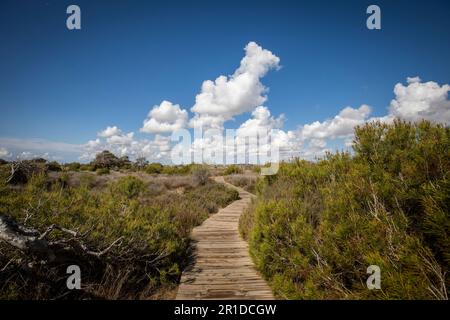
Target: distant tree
106,159
124,162
141,162
38,160
54,166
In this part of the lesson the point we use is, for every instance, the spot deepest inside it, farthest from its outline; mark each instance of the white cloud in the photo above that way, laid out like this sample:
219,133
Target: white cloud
227,96
92,144
413,102
251,142
340,126
40,148
127,145
207,121
167,117
418,101
261,122
109,132
413,79
314,148
241,92
26,155
159,148
121,139
4,153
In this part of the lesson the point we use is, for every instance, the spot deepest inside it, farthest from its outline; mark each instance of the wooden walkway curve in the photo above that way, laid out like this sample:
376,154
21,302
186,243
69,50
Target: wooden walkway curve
222,267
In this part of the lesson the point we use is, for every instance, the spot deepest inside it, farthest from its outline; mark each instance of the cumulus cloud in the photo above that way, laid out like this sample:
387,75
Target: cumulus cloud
112,139
261,122
413,102
264,126
121,139
127,145
4,153
421,100
167,117
225,97
340,126
413,79
253,142
109,132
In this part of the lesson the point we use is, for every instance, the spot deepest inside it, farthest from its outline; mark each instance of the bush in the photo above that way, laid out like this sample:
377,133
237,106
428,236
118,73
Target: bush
129,187
106,159
153,168
316,227
154,229
232,169
158,168
177,170
24,170
73,166
246,182
102,171
200,175
86,167
54,166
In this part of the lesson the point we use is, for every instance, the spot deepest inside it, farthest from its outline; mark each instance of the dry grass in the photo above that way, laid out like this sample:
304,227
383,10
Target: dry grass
157,183
153,215
247,181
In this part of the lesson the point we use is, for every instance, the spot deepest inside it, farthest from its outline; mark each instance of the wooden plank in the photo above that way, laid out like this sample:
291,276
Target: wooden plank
223,268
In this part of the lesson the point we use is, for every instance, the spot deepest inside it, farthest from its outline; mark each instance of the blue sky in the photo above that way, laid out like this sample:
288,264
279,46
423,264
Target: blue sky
66,86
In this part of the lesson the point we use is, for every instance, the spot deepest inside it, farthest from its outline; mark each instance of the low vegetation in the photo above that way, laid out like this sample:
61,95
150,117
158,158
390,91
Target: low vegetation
313,231
128,232
245,181
317,226
232,169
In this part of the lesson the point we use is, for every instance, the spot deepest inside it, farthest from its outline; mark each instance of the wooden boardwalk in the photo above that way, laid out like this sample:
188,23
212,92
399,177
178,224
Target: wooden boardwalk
222,267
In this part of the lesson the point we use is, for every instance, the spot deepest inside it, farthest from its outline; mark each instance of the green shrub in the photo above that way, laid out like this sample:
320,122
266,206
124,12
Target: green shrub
153,168
54,166
246,182
73,166
102,171
154,229
87,167
129,187
178,170
158,168
232,169
316,227
200,175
